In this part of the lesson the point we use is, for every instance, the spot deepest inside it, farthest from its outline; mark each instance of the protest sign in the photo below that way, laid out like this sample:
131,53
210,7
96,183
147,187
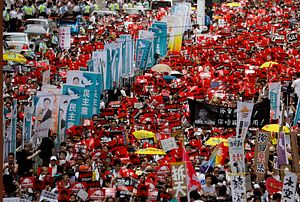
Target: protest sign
274,96
96,194
237,155
262,145
238,187
82,194
65,37
203,114
244,112
179,179
48,196
168,144
289,187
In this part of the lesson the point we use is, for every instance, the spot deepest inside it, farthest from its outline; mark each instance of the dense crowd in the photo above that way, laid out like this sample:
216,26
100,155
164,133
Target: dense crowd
229,54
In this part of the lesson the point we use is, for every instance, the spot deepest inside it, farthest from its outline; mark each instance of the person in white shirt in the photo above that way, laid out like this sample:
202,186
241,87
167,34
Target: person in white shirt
53,165
208,189
296,86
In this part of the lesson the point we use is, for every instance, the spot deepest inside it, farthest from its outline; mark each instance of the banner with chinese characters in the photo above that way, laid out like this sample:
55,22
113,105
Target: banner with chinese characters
203,114
65,37
274,96
148,35
162,39
90,81
244,112
179,179
74,109
142,53
282,150
238,188
289,187
236,155
261,155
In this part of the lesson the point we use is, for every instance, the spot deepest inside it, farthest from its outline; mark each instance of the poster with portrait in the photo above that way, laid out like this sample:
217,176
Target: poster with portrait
62,116
204,114
44,115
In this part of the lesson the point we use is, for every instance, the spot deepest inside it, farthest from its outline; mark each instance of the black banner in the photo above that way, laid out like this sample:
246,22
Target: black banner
203,114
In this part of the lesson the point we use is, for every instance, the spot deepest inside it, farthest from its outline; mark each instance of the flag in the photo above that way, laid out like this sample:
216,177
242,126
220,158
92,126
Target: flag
192,180
217,157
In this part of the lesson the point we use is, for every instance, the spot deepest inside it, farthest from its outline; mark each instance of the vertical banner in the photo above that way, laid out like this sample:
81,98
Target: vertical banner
13,127
43,115
74,109
297,113
142,52
89,81
179,179
244,112
295,154
274,96
201,12
65,37
289,187
122,62
171,24
162,39
62,117
147,35
99,61
110,64
27,124
156,34
46,77
261,155
237,155
281,150
238,187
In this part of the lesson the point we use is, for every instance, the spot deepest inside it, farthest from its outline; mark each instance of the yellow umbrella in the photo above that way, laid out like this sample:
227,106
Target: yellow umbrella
233,4
161,68
275,128
151,151
268,64
213,141
143,134
14,57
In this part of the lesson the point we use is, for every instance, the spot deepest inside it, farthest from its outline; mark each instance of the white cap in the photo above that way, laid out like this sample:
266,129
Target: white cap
53,158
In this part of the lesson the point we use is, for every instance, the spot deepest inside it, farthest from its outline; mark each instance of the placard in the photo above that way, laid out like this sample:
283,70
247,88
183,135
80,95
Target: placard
179,179
65,37
168,144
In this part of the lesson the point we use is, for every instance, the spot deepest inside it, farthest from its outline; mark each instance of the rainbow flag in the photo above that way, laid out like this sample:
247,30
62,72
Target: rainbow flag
217,157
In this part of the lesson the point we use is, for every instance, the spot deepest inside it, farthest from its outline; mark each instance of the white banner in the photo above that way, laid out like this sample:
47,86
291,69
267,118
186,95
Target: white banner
48,196
236,155
65,37
201,12
238,188
168,144
289,187
46,77
274,96
244,112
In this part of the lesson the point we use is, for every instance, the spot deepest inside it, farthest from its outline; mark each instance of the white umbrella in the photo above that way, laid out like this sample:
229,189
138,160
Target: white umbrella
162,68
175,73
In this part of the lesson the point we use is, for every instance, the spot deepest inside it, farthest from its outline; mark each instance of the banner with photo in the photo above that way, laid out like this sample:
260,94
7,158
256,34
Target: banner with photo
89,81
27,124
46,76
156,35
74,109
202,114
162,39
13,127
142,52
44,114
244,112
274,96
236,155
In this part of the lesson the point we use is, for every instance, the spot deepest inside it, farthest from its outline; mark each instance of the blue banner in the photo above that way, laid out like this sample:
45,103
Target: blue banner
75,107
142,53
123,58
111,58
297,114
90,65
156,35
13,127
98,92
162,39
